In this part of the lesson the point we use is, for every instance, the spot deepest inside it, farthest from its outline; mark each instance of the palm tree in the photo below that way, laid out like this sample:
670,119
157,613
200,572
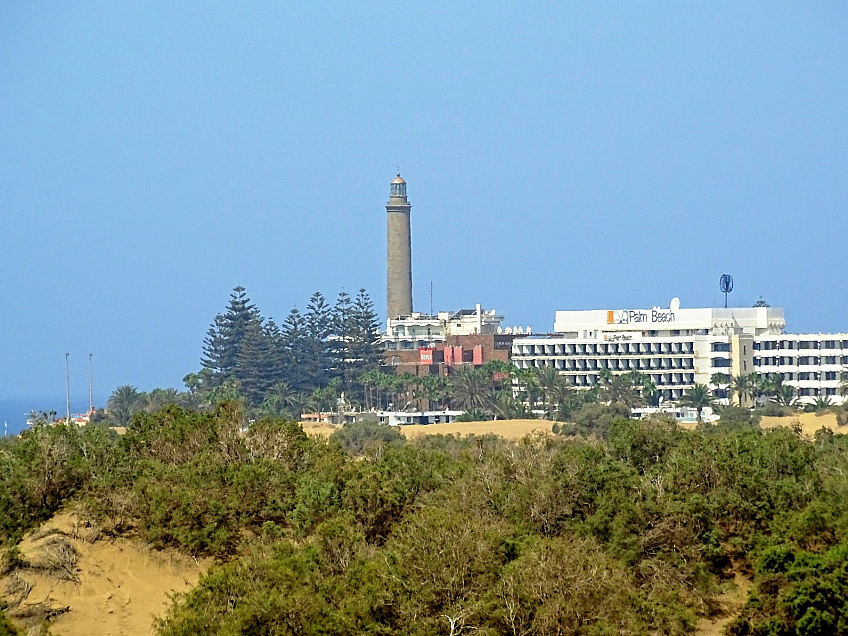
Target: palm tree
469,388
773,384
759,386
548,379
650,392
160,398
741,386
721,382
528,381
506,407
300,403
498,371
566,400
785,396
699,397
619,388
123,403
278,398
434,390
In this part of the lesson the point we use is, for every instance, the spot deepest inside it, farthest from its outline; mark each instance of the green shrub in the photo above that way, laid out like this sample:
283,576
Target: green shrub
594,419
358,436
7,628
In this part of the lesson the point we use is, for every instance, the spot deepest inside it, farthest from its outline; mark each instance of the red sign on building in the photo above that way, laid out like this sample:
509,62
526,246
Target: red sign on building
425,355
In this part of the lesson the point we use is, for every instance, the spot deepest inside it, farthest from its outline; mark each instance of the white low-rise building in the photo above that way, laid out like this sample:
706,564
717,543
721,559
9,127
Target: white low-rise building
679,348
425,330
402,418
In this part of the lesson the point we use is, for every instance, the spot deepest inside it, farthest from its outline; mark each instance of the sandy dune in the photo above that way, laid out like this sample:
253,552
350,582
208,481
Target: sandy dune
121,584
809,422
510,429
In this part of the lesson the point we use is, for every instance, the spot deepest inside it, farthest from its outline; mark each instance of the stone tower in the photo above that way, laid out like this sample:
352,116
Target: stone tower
399,261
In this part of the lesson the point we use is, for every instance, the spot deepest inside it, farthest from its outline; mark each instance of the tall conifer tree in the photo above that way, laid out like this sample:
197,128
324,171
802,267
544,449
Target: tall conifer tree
225,335
318,327
365,341
295,350
342,328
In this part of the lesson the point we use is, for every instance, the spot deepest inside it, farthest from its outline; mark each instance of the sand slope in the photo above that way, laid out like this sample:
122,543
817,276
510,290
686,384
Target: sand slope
809,422
122,585
510,429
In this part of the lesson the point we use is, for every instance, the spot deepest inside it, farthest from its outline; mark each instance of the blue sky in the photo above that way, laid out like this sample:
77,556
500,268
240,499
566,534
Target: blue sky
559,155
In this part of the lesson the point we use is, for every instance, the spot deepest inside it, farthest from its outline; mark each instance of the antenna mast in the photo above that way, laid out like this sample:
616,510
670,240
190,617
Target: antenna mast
90,386
67,389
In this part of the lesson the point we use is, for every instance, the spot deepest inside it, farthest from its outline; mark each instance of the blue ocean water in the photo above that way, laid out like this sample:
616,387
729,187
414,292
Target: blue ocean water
14,412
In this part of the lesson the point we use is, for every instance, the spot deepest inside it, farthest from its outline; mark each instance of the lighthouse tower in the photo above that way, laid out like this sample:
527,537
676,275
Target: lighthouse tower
399,243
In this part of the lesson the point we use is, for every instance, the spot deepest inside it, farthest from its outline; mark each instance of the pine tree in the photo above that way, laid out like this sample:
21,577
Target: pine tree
214,346
342,327
277,371
318,327
254,363
224,338
364,338
294,350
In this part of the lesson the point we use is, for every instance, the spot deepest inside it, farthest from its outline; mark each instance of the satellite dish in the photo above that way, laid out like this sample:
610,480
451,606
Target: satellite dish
725,284
674,305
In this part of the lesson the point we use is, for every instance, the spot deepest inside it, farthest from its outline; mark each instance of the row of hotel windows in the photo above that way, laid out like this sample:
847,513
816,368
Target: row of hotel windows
772,345
616,364
408,345
812,361
827,376
816,392
659,379
633,348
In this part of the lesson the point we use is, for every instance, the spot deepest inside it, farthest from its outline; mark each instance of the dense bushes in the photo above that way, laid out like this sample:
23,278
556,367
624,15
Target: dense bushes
356,437
44,466
631,531
797,592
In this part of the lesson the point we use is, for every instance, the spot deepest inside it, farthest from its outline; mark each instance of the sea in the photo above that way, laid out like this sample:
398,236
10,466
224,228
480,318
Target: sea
14,412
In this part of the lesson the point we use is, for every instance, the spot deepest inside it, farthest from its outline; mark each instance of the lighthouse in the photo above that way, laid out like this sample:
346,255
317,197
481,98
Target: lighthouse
399,251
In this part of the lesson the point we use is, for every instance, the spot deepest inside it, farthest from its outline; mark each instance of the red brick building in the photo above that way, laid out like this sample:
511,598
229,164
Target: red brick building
456,350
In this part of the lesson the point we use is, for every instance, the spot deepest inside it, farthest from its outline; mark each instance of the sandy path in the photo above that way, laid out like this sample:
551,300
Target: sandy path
731,601
122,584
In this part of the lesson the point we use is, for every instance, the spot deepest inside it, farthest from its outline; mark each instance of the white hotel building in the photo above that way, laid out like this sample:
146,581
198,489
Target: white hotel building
679,348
